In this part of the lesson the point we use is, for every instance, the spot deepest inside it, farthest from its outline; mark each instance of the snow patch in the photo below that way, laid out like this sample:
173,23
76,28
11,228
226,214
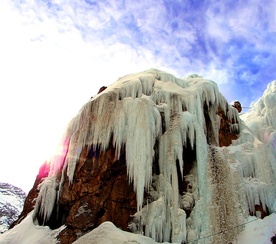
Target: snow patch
26,232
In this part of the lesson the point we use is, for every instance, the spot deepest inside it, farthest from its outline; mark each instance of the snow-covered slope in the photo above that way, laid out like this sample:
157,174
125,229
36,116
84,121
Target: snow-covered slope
256,231
231,183
11,204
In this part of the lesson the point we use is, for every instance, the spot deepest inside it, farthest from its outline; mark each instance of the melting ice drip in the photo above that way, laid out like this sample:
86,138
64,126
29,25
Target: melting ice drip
138,112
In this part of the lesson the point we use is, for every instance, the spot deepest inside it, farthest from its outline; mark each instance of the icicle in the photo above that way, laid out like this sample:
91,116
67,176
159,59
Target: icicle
129,114
143,126
46,199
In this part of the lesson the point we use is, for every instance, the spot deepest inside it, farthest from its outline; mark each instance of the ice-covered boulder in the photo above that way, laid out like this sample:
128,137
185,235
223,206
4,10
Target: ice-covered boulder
159,156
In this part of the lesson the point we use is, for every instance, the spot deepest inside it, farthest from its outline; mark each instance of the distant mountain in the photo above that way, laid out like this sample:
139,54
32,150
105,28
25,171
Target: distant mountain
11,204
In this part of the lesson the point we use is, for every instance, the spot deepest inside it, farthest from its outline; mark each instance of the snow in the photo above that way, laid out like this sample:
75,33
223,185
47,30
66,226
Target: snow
258,231
11,204
152,108
12,199
27,232
108,233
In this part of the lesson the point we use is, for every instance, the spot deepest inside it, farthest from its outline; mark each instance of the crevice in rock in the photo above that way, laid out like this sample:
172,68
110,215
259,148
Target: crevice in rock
185,187
189,157
260,211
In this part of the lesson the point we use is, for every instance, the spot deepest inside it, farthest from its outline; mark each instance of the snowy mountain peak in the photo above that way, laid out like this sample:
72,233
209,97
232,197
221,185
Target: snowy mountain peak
11,204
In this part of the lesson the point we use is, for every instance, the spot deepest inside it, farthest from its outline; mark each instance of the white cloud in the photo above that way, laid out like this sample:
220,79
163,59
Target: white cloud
47,73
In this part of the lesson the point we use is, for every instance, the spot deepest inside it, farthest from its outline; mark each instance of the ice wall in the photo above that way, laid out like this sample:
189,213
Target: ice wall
139,112
257,156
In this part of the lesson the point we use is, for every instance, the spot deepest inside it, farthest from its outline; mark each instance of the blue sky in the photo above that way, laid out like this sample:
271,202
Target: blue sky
56,54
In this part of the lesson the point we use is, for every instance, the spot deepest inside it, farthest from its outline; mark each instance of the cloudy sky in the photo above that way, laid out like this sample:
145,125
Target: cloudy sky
56,54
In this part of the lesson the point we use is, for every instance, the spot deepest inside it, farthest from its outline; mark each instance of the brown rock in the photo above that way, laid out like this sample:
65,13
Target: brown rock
260,211
237,105
100,192
102,89
226,134
273,239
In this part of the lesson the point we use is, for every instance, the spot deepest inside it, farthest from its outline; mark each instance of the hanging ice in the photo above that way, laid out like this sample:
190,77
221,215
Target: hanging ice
151,114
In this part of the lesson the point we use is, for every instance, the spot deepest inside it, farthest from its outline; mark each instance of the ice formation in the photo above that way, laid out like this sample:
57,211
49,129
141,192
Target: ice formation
153,114
258,159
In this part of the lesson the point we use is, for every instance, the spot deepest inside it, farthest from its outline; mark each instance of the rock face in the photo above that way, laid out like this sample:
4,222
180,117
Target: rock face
237,105
100,192
11,204
226,135
100,189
